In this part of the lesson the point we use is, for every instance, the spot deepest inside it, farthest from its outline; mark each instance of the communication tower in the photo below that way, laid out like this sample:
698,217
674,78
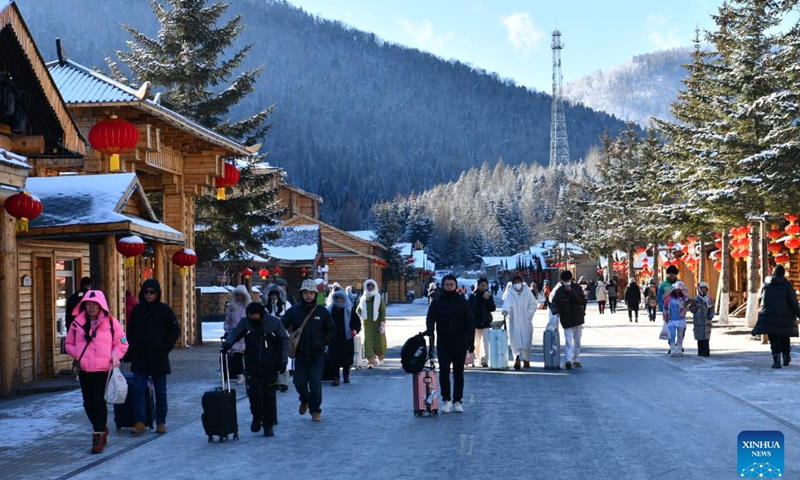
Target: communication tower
559,148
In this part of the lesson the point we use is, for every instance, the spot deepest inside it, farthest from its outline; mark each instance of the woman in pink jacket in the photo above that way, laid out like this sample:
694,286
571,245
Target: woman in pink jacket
97,341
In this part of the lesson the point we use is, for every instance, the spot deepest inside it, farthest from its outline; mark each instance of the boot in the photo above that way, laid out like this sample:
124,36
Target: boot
346,375
335,382
97,442
268,431
255,425
104,438
517,364
787,358
526,364
138,428
776,361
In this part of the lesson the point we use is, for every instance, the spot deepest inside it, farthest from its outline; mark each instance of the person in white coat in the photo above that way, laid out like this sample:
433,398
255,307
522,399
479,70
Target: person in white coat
520,306
602,295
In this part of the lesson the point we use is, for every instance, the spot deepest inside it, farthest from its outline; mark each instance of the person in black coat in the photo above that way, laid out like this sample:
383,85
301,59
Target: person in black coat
152,332
451,316
633,297
310,356
482,303
265,355
777,316
342,349
569,303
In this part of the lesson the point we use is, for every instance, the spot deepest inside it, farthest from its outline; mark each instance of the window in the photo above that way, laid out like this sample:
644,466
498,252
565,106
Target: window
65,287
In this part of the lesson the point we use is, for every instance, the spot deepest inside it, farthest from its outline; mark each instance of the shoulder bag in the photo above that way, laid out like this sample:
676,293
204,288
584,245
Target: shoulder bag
294,337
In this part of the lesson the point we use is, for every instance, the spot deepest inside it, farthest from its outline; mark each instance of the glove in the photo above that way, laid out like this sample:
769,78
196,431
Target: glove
223,349
382,328
353,333
283,368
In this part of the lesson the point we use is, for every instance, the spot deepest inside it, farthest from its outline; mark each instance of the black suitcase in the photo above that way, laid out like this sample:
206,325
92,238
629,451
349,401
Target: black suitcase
219,408
123,412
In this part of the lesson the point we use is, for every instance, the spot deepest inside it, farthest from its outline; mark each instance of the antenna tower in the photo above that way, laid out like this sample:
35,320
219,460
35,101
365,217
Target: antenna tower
559,148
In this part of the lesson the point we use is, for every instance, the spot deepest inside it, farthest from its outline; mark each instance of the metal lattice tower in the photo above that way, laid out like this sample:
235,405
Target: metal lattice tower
559,148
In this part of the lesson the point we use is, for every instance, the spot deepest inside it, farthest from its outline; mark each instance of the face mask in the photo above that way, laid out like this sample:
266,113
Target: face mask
518,287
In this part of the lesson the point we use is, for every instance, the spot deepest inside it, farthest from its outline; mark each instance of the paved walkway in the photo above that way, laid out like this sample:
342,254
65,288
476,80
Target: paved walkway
631,412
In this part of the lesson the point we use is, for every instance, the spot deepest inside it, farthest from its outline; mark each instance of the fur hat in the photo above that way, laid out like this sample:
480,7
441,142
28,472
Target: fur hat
702,284
309,285
672,269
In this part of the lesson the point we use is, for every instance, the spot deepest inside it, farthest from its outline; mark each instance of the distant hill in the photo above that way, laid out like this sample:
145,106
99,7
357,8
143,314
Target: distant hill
358,120
636,90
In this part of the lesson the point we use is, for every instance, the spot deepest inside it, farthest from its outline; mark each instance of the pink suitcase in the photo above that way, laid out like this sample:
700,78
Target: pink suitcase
426,388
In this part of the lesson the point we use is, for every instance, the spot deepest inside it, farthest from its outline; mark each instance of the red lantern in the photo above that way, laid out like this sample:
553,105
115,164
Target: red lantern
228,180
782,259
247,272
792,229
329,259
24,207
792,243
184,258
277,271
774,233
264,273
130,247
789,217
304,271
112,137
774,248
718,265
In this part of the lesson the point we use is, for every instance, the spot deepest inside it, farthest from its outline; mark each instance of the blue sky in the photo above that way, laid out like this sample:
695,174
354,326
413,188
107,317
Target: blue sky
512,37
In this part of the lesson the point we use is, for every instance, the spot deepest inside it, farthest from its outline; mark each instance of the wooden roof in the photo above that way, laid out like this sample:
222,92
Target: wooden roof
47,114
301,219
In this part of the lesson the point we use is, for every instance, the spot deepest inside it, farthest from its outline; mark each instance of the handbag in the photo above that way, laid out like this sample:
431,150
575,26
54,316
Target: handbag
664,334
116,386
294,337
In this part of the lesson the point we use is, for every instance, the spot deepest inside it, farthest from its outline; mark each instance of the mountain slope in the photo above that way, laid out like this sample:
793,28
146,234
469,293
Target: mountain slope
358,120
636,90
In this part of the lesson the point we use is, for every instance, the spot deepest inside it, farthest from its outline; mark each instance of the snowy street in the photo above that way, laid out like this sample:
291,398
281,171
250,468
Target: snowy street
631,412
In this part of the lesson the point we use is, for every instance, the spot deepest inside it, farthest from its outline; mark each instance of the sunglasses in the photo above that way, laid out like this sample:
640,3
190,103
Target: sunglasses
149,292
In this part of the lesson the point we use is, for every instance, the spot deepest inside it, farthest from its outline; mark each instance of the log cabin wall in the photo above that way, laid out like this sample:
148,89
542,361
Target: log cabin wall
39,342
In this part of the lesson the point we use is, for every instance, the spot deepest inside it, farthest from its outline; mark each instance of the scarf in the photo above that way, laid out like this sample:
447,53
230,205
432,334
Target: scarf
348,310
375,304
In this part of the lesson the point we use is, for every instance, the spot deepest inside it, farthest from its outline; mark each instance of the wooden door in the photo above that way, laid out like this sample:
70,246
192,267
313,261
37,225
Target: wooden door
43,319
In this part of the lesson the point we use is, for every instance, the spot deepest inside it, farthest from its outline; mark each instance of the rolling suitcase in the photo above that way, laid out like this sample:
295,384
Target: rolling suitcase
498,346
552,350
219,408
358,354
123,412
425,384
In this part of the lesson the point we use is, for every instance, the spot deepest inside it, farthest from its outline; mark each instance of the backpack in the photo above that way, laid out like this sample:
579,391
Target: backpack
414,354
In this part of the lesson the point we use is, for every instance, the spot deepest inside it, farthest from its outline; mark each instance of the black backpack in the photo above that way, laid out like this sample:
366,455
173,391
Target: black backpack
414,354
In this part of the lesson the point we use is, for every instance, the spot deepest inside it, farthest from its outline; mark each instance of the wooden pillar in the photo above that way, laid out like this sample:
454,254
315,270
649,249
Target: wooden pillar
10,374
111,280
159,267
179,209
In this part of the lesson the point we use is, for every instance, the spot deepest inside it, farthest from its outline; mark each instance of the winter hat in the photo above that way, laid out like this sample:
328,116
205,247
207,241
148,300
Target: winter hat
282,283
672,269
779,271
702,284
309,285
565,276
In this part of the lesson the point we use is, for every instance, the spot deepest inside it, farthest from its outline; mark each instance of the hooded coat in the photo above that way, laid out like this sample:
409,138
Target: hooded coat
152,333
633,296
103,339
372,311
779,308
520,306
568,302
482,308
235,312
674,306
279,307
600,291
702,308
342,349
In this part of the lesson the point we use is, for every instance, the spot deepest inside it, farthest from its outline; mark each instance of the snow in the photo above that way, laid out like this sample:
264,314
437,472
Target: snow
131,239
85,200
304,252
10,158
213,290
367,235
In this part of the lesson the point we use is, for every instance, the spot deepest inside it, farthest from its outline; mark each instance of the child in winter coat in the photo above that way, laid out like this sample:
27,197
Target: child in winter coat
238,300
675,315
702,308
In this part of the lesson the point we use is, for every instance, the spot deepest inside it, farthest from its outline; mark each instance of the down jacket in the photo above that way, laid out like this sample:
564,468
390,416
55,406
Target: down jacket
152,332
234,312
106,337
779,308
267,345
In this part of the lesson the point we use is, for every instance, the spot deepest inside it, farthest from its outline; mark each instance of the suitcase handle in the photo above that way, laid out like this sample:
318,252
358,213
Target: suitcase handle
431,351
226,375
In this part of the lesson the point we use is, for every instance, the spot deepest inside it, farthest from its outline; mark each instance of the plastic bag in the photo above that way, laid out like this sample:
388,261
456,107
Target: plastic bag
664,335
552,322
116,387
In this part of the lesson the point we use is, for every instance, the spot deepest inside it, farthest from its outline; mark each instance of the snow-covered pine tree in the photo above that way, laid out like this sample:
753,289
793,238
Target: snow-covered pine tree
185,64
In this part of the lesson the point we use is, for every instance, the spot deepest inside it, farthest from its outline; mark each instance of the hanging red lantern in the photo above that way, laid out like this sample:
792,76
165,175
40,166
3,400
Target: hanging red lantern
247,272
264,273
789,217
130,247
792,229
304,271
792,243
277,271
24,207
774,248
782,259
329,260
227,180
184,258
774,233
112,137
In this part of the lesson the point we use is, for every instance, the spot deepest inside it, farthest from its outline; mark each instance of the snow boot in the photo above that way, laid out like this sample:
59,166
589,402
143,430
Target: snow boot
268,431
104,438
776,361
97,442
255,425
346,375
787,358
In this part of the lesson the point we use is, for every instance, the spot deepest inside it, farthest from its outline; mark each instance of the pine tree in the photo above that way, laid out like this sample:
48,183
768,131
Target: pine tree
185,62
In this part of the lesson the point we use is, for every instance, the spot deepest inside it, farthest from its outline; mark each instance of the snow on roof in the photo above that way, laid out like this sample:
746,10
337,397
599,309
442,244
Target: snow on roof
85,200
295,243
10,158
367,235
213,290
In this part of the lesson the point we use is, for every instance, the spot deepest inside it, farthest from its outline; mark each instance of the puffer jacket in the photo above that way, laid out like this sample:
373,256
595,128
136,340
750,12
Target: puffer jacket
152,332
451,317
317,333
235,312
779,308
569,303
106,337
482,308
267,345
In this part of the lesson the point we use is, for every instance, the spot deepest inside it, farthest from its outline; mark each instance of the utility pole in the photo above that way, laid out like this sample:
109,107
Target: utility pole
559,148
